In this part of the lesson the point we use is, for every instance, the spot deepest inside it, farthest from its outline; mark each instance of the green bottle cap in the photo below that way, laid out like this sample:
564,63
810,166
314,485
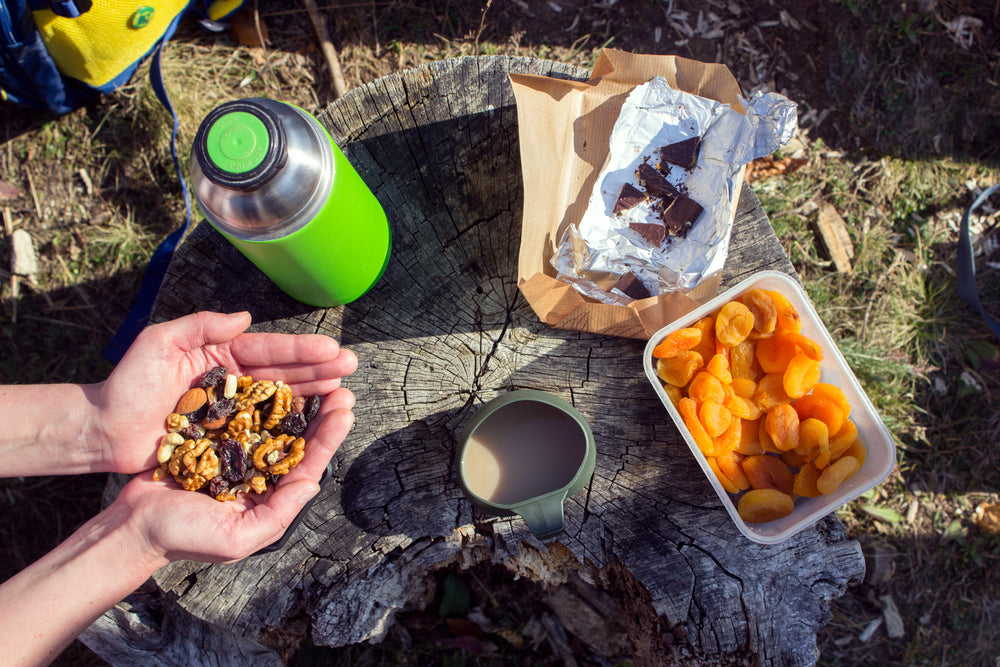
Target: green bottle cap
237,142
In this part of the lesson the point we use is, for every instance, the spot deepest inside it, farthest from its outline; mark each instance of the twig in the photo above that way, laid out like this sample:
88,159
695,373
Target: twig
482,23
329,52
8,222
34,194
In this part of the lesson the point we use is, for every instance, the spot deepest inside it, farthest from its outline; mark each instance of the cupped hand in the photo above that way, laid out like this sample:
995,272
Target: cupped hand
169,358
171,524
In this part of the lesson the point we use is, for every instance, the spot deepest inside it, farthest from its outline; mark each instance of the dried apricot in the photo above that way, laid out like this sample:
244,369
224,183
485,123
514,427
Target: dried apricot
856,451
706,387
673,393
731,465
729,439
679,370
782,424
714,417
774,353
801,375
763,505
689,413
743,360
733,323
749,440
742,407
793,458
805,344
724,480
833,393
823,409
743,387
765,439
788,317
768,472
842,439
706,346
770,392
677,342
836,473
765,315
814,442
718,366
805,481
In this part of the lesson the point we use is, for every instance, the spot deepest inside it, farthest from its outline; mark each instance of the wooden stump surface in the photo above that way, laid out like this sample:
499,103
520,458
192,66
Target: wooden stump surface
444,331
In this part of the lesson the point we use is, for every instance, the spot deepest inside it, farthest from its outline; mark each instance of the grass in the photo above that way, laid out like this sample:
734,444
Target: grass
911,126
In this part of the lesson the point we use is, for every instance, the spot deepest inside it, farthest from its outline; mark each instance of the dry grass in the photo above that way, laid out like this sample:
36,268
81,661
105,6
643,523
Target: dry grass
899,108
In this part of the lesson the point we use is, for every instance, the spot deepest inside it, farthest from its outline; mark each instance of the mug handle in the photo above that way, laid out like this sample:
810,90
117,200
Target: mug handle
544,517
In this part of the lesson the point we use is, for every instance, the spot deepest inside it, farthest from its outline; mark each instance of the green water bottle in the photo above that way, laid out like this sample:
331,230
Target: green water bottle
270,179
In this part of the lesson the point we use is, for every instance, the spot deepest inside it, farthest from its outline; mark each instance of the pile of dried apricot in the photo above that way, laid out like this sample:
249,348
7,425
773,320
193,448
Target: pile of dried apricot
746,382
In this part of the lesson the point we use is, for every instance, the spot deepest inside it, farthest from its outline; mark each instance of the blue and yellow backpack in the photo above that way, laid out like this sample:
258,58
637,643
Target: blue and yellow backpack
59,55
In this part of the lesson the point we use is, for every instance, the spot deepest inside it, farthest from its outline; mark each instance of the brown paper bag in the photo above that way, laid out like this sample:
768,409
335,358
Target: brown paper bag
565,127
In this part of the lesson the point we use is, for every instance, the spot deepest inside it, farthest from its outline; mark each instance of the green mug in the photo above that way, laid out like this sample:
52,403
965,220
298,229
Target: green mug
524,453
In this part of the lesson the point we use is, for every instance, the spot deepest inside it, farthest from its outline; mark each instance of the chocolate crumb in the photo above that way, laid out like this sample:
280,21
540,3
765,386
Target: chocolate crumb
654,182
683,153
628,197
630,284
653,232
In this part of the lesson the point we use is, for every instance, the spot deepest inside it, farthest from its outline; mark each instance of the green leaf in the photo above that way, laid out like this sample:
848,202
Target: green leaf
454,597
886,514
954,531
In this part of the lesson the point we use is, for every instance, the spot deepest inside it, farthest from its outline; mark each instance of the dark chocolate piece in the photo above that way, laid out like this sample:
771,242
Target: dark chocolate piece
683,153
654,182
630,284
653,232
681,214
629,196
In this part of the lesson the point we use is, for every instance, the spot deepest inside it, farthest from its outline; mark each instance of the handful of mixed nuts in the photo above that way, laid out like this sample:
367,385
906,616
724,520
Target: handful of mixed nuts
232,435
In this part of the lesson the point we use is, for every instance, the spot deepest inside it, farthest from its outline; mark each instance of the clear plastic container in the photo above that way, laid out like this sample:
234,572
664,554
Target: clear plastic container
881,450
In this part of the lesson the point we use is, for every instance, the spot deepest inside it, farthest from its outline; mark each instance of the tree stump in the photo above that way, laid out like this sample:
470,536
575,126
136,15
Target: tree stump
443,332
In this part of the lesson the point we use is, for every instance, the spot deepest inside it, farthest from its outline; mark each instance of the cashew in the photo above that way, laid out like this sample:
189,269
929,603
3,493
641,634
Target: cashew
230,388
168,444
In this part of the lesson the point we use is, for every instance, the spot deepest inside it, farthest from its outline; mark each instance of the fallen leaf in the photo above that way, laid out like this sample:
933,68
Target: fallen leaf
9,191
987,517
886,514
769,166
244,28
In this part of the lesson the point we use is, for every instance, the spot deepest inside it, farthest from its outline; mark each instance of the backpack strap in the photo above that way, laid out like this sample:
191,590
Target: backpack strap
967,289
138,316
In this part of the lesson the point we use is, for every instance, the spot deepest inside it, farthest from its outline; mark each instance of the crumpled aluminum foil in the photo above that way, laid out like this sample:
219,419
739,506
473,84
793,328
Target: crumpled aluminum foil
602,247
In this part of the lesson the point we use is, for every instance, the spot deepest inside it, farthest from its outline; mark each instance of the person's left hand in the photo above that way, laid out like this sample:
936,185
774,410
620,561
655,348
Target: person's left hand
168,523
169,358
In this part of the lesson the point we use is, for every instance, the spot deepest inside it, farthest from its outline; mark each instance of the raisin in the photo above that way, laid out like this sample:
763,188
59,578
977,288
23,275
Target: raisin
294,423
272,478
221,408
197,415
213,377
191,432
232,460
218,485
312,407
